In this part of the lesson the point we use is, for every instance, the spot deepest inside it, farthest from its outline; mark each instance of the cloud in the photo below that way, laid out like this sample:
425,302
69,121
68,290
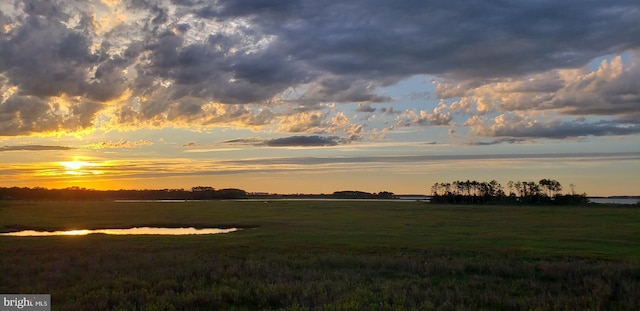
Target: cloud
302,141
612,89
382,40
305,161
388,110
439,117
310,122
65,65
365,108
520,126
124,143
342,90
23,115
317,122
507,140
244,141
558,104
34,148
290,141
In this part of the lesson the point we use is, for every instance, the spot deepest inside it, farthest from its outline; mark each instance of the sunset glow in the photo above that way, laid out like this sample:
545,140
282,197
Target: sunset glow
298,97
79,168
76,165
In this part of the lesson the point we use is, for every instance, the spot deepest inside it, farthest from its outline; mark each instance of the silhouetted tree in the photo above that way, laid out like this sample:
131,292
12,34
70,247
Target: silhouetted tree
546,191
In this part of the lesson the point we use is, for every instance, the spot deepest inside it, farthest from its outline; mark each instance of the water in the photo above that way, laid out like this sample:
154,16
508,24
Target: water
150,201
130,231
324,199
613,200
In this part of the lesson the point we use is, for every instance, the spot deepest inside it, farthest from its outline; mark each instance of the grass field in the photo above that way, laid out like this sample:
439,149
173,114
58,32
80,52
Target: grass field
301,255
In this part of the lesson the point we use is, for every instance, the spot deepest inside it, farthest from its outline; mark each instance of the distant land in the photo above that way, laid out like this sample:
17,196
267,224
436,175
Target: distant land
624,199
209,193
635,197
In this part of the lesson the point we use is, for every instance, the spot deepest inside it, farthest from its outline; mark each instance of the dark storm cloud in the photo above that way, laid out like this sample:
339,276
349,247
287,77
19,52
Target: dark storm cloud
344,47
242,8
34,148
388,39
44,58
342,90
207,71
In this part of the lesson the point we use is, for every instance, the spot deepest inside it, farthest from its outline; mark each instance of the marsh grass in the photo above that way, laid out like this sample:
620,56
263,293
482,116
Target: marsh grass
326,255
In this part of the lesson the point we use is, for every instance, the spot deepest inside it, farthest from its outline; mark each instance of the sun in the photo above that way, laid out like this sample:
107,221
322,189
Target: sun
78,167
75,165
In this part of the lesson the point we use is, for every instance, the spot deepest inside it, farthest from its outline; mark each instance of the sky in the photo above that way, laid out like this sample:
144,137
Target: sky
316,96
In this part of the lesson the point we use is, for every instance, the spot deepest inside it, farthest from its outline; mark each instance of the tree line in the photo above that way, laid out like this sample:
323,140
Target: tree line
196,193
77,193
546,191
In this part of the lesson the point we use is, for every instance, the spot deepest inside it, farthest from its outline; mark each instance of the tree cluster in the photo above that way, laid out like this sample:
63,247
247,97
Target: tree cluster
546,191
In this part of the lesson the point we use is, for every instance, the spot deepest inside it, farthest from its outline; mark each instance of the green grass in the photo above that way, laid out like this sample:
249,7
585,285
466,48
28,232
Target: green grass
326,255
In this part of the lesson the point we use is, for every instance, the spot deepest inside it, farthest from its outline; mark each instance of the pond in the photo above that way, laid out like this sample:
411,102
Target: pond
130,231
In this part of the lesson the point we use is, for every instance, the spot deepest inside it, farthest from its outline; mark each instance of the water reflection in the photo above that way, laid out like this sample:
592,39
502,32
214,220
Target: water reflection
130,231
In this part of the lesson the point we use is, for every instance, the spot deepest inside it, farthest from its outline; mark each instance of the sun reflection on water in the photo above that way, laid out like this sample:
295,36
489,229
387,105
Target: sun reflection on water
72,232
130,231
